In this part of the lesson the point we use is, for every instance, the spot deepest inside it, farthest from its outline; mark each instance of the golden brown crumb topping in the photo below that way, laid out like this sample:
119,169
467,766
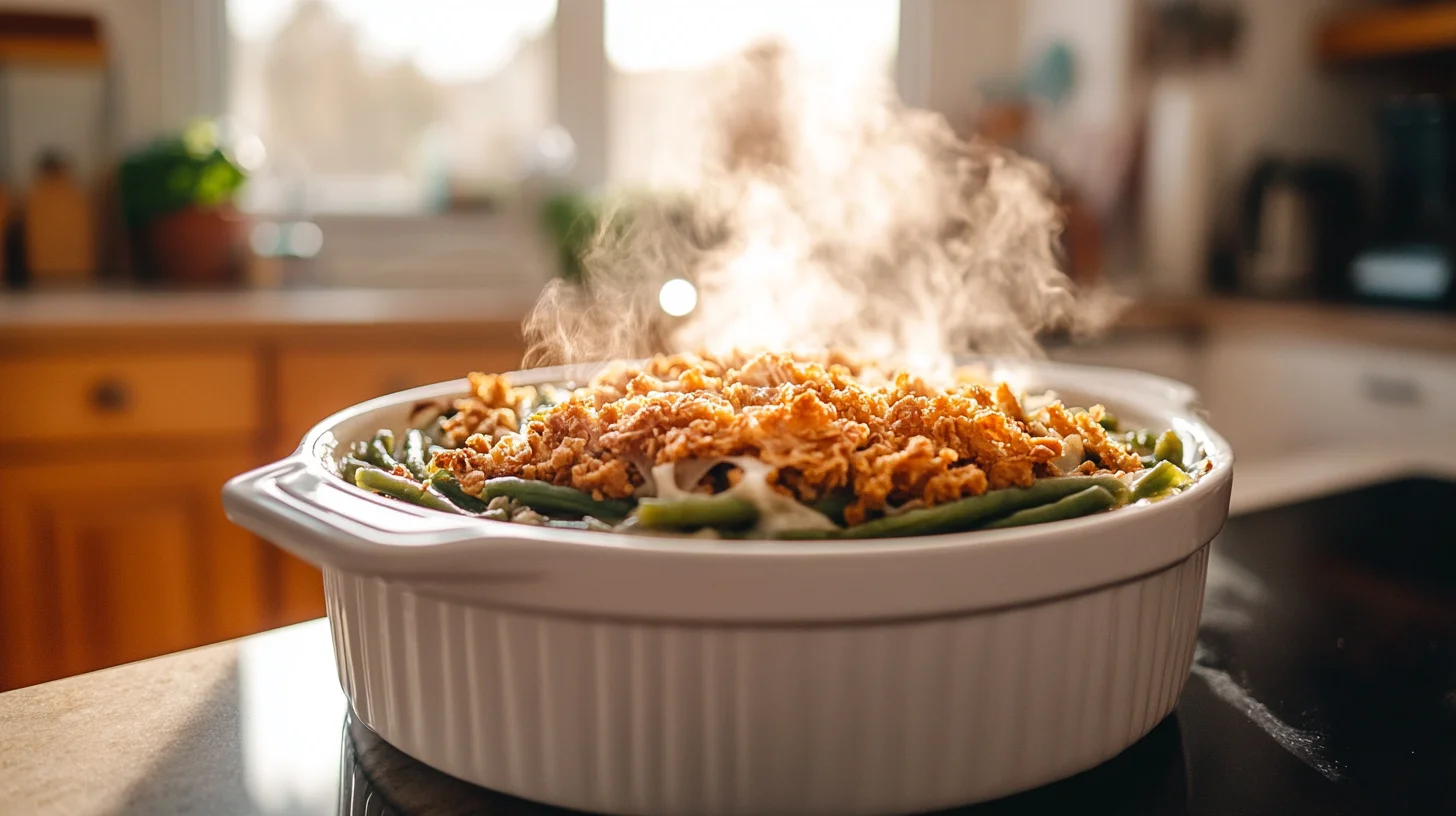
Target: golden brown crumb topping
823,426
490,409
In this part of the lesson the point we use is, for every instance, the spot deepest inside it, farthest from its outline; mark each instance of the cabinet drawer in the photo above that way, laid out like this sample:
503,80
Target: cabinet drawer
1272,394
314,383
61,397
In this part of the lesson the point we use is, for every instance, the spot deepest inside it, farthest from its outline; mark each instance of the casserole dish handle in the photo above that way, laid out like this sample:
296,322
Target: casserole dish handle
324,521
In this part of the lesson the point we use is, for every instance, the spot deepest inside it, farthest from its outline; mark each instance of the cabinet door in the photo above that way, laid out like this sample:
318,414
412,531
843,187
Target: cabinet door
1272,394
313,383
107,562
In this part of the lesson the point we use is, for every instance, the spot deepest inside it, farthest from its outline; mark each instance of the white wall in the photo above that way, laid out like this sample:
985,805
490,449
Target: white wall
1100,34
1274,97
950,48
1278,98
1089,136
160,48
51,108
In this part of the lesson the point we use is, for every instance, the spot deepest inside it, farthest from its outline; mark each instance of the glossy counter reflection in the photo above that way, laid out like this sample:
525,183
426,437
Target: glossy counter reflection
377,780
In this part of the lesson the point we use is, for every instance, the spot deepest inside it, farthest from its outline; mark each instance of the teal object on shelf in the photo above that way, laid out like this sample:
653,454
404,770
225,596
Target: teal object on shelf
1053,76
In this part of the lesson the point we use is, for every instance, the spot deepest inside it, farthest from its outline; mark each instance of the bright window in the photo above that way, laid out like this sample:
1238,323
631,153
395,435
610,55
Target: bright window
663,55
393,107
383,106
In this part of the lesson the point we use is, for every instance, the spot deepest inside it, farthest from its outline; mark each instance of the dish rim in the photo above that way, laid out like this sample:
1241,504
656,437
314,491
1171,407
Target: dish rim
1178,398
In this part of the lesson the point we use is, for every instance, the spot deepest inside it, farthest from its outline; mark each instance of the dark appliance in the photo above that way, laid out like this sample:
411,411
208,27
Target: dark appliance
1301,226
1412,257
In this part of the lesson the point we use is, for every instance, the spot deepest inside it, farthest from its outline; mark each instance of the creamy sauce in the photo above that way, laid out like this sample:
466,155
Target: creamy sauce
776,512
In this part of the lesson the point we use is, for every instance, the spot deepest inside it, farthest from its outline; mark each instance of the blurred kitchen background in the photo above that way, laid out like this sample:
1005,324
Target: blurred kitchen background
225,219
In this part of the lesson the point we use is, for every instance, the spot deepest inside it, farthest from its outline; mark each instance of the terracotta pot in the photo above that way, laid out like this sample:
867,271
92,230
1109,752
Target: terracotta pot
196,247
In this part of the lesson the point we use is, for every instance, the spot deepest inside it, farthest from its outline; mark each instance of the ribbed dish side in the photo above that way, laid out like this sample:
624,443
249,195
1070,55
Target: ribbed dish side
666,719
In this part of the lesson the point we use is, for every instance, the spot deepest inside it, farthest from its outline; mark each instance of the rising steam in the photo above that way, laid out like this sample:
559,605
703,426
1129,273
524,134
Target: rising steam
827,220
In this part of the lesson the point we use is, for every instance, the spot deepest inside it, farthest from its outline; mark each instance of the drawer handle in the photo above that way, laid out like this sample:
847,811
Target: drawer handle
1386,390
110,396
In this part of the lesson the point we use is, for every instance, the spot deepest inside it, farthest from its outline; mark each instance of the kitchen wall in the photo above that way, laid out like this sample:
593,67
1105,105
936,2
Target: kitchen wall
51,107
1090,136
950,48
1274,96
161,77
1100,32
1277,97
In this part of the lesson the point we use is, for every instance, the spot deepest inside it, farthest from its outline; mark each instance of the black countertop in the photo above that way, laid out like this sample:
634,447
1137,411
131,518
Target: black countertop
1325,683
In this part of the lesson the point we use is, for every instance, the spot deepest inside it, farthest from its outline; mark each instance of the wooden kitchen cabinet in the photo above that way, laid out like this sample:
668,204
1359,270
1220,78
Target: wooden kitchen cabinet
116,394
110,560
315,382
122,416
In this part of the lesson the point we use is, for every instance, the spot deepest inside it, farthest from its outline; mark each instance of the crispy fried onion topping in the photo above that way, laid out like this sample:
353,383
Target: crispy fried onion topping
822,425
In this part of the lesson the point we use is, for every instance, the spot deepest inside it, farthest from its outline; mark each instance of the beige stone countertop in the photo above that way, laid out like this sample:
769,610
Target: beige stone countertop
1412,329
237,727
58,316
92,315
253,727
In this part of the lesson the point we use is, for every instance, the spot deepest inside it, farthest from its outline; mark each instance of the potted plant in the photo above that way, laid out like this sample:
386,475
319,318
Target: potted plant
177,205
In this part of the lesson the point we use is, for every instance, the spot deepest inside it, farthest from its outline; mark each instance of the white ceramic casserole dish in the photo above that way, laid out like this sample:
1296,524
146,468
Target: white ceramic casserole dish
620,674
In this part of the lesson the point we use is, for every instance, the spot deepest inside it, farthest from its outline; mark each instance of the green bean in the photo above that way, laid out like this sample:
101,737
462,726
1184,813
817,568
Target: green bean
444,483
412,455
805,535
379,451
1140,441
399,487
1089,501
968,514
350,465
544,497
1109,423
380,457
1163,478
1169,448
718,512
832,505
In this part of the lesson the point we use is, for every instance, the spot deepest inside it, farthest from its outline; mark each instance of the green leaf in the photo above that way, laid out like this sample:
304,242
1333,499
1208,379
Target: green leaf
175,172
